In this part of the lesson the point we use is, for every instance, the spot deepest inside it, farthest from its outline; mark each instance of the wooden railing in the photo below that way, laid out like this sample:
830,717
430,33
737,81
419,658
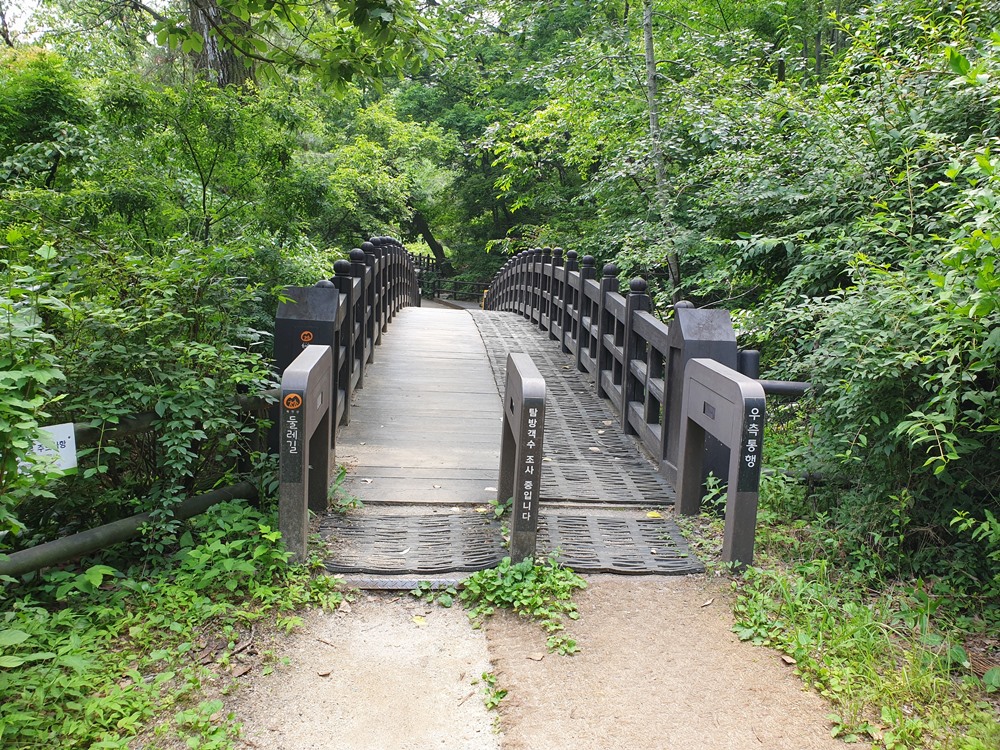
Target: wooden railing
348,313
636,361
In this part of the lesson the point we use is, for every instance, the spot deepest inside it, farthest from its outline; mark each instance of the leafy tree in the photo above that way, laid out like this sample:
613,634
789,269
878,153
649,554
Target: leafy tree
232,42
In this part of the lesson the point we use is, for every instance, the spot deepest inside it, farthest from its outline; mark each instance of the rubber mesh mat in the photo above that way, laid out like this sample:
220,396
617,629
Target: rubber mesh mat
384,543
587,456
616,543
379,544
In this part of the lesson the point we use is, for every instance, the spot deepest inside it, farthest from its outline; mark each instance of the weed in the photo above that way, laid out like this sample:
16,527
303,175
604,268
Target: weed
876,658
492,693
501,507
444,596
340,501
542,591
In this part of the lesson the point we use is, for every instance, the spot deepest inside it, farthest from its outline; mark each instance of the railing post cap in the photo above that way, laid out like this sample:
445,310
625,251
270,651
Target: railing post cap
683,304
368,247
342,268
557,251
357,255
536,251
610,270
324,283
572,254
638,285
589,260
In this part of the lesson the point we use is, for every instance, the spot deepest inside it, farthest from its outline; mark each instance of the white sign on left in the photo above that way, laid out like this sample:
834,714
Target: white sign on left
58,449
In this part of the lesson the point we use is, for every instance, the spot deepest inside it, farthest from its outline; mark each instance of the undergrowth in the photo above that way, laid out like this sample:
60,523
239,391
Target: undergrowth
542,591
92,659
891,652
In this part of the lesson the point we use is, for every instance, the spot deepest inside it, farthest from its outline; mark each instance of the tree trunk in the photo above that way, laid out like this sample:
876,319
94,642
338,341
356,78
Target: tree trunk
655,135
422,228
4,28
217,60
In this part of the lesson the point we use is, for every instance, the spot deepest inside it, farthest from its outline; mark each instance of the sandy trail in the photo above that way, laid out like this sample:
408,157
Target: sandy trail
659,668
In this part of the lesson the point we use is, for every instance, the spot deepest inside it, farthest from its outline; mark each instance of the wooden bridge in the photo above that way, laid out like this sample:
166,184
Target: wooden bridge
417,395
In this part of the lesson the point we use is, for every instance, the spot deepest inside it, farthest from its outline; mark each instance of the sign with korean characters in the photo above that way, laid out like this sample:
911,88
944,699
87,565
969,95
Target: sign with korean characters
292,437
57,448
750,445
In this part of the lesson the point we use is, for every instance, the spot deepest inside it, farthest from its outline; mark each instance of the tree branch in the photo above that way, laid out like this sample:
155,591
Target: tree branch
4,28
136,5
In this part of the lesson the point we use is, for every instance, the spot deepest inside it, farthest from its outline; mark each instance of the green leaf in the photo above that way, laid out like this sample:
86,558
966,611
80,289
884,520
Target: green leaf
95,574
992,679
46,252
75,662
12,637
9,662
958,63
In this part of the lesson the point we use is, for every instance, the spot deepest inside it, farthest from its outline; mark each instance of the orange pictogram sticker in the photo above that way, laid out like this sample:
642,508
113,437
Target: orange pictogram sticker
292,401
306,336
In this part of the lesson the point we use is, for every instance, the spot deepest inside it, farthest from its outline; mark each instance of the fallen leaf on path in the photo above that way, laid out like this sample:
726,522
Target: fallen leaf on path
419,620
481,509
601,432
489,489
537,656
242,646
546,459
344,607
709,602
788,660
325,673
654,514
594,449
241,670
607,423
436,486
322,640
367,481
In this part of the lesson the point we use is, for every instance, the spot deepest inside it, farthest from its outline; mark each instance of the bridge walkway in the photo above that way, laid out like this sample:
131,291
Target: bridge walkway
422,453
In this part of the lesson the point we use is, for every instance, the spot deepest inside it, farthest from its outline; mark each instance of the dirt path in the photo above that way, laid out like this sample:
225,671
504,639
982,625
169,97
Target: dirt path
659,668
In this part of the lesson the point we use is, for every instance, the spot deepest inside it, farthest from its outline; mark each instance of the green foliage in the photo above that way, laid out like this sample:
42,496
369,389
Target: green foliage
145,280
364,40
426,591
540,591
340,500
91,659
879,659
38,94
492,693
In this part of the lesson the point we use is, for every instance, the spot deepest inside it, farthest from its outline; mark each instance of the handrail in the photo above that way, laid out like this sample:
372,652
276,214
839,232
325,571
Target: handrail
634,359
730,406
348,313
521,452
306,446
84,542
